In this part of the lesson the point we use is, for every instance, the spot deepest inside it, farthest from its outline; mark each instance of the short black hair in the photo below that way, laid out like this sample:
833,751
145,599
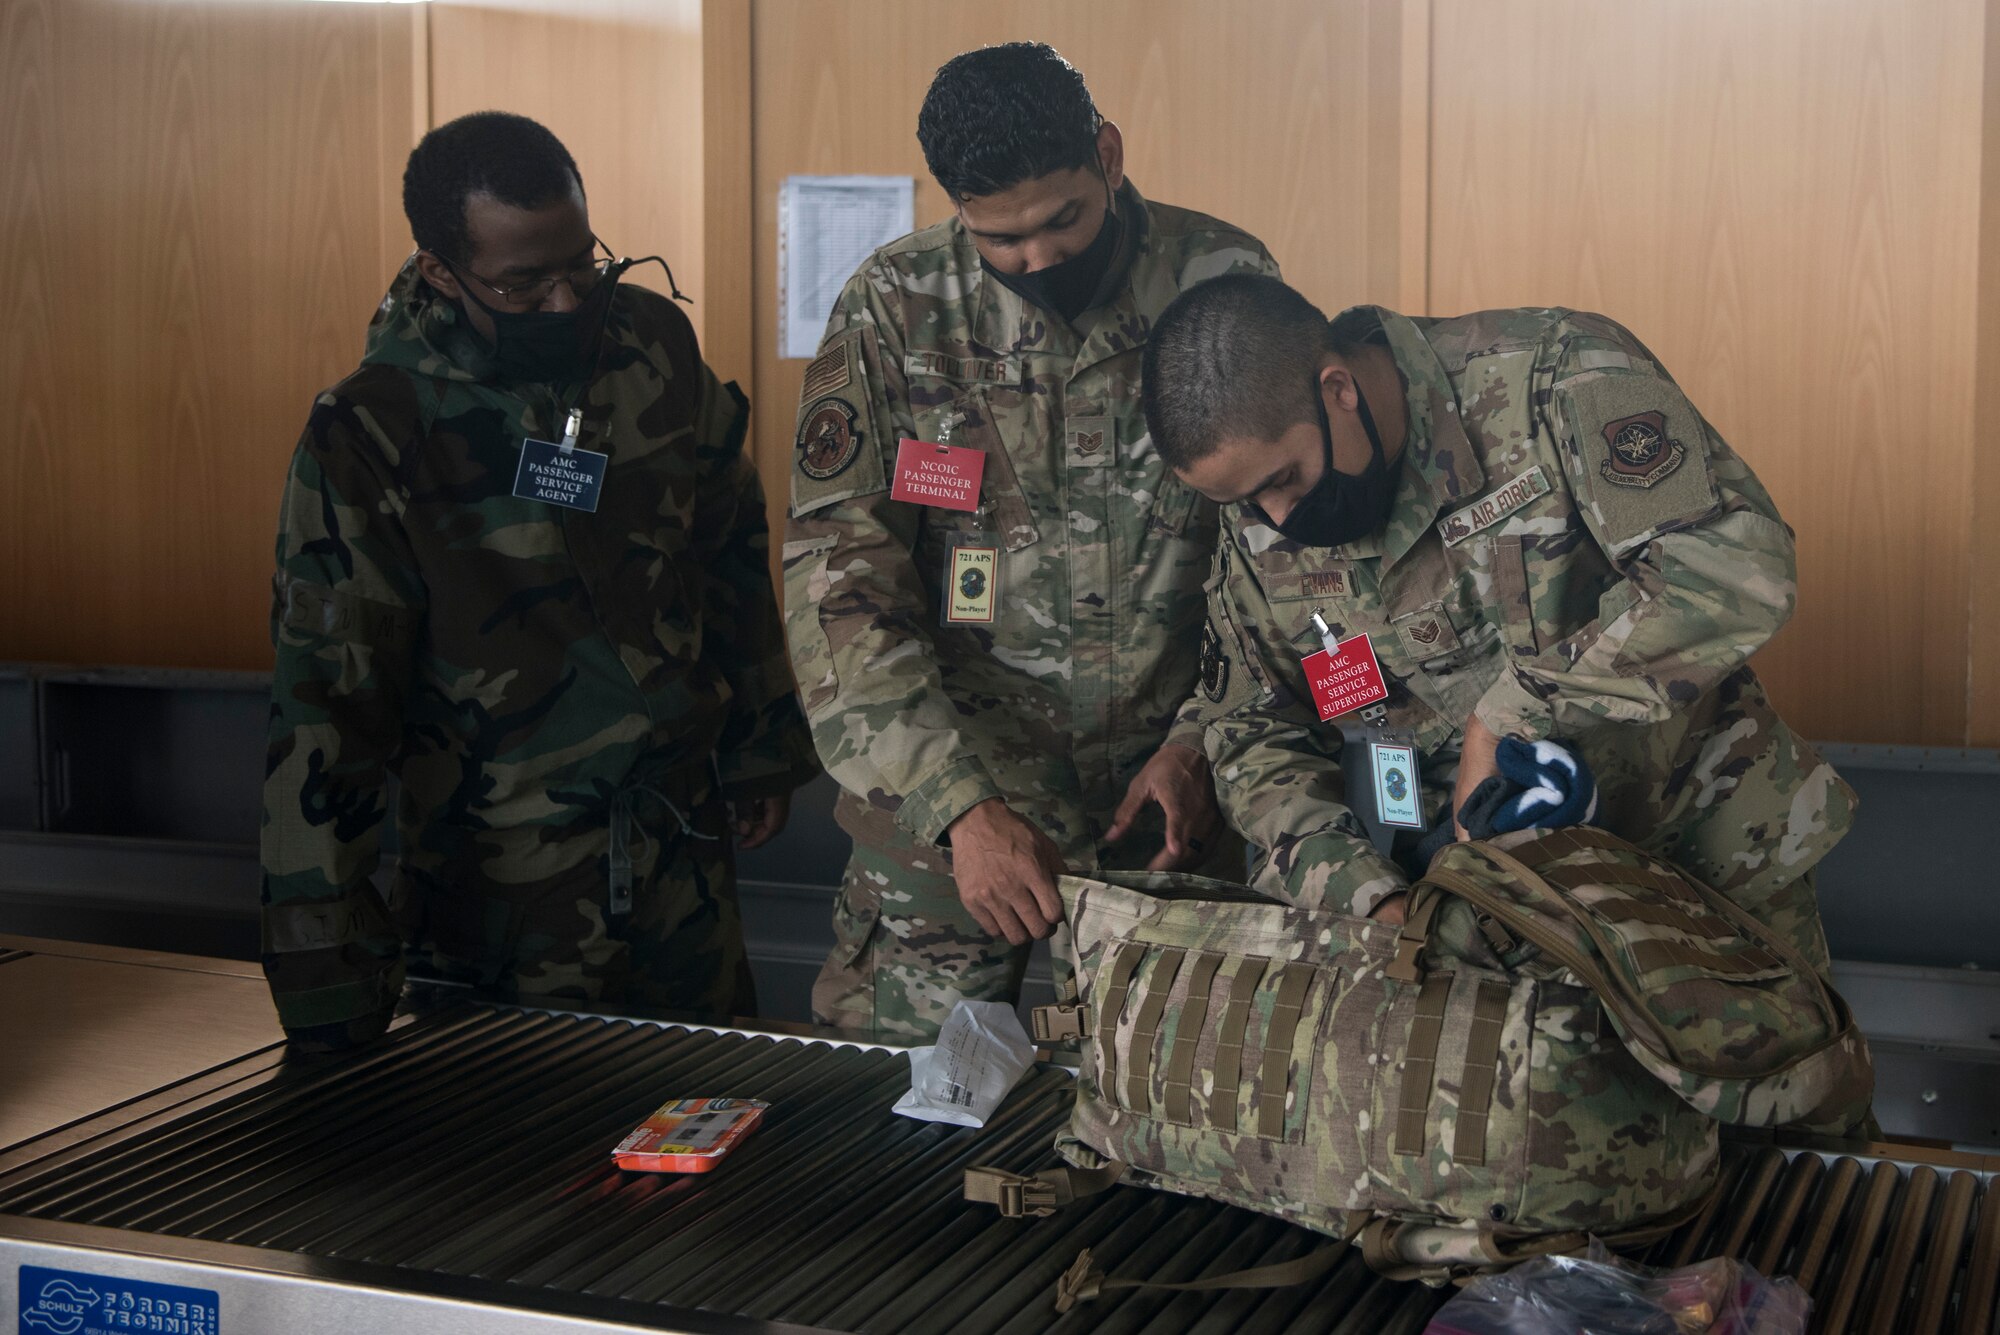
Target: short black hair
497,153
1001,115
1234,357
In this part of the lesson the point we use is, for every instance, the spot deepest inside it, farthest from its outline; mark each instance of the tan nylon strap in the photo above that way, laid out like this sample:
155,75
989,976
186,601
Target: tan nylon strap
1413,1100
1650,955
1083,1281
1423,908
1657,915
1615,874
1123,966
1570,839
1229,1042
1293,980
1194,1014
1018,1196
1378,1245
1482,1060
1146,1030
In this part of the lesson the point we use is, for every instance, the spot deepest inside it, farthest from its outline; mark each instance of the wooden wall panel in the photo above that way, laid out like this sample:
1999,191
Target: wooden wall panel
1783,200
1983,674
197,214
620,83
1282,117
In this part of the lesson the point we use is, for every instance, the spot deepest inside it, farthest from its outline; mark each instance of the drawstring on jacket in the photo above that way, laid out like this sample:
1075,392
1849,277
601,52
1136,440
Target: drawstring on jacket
623,822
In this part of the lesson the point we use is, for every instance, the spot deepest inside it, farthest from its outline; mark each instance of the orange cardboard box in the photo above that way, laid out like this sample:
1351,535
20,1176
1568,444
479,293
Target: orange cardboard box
688,1135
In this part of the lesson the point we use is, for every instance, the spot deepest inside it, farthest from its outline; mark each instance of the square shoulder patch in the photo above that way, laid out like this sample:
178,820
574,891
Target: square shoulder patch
1639,455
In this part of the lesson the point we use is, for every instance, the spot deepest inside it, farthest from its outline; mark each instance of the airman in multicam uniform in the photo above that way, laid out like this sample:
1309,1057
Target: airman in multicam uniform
1563,548
1000,690
570,696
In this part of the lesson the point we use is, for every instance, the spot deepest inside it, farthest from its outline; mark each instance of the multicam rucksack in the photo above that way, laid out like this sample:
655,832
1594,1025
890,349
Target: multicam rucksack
1541,1052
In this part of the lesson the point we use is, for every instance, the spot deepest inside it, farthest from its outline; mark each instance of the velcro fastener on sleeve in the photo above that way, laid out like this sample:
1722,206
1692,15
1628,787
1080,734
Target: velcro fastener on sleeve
1639,455
306,608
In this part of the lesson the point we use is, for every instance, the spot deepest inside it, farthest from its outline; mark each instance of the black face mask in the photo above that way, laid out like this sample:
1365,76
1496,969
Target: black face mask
1342,508
1067,288
549,347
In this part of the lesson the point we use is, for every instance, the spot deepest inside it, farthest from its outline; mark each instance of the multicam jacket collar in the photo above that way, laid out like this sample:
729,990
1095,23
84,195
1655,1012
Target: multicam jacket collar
1439,467
1003,322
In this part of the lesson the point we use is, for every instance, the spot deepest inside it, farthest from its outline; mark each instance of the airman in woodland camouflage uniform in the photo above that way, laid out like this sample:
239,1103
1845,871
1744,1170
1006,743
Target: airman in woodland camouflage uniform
992,687
568,695
1548,542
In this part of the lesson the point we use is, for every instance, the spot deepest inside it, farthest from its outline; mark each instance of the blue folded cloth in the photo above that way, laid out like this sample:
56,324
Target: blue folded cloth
1541,784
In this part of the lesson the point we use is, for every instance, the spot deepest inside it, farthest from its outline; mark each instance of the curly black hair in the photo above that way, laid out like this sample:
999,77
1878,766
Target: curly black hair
1001,115
497,153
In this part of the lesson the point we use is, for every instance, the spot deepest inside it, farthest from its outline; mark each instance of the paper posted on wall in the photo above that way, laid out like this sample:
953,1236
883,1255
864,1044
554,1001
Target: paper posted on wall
827,225
981,1053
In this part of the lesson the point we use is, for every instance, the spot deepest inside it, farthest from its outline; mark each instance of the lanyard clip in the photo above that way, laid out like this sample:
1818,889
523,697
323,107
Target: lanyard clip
1327,640
571,429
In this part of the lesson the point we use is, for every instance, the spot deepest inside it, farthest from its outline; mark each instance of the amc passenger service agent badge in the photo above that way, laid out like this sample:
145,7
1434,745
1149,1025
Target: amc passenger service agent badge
828,441
1641,453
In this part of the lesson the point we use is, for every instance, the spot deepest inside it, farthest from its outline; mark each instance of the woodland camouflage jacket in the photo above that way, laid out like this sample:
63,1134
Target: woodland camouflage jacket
521,666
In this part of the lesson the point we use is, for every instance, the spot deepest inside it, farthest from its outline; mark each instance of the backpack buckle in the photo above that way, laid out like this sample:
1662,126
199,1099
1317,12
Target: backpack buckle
1015,1196
1404,968
1057,1024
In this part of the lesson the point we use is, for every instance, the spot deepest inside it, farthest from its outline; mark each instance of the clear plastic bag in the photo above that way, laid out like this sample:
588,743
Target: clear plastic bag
981,1052
1598,1294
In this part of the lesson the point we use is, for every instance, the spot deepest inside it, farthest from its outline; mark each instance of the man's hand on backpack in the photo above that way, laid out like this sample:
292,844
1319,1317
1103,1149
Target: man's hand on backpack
1390,908
1006,871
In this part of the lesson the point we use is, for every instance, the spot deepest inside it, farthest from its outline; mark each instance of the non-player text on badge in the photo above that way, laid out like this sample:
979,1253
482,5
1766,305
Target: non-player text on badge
946,476
1345,680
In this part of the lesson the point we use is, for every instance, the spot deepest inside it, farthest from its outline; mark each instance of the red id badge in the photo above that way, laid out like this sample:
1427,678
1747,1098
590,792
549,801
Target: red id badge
1346,679
946,476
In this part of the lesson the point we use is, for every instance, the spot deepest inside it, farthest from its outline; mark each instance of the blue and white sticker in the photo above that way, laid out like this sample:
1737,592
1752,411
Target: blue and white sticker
1396,785
69,1302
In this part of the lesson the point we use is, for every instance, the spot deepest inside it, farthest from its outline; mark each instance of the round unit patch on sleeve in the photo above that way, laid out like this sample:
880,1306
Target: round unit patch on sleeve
1214,664
828,440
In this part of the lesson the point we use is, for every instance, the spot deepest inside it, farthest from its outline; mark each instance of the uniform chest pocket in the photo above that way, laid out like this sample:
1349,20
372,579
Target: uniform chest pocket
1003,506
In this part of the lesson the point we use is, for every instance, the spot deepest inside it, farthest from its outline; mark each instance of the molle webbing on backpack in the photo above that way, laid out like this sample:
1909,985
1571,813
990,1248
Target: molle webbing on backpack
1194,1014
1146,1031
1453,1078
1420,1064
1122,970
1482,1057
1229,1043
1293,980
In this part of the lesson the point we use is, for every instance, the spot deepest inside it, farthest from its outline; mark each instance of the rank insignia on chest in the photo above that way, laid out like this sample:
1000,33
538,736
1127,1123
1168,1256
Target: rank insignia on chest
1493,507
1426,633
827,441
1641,453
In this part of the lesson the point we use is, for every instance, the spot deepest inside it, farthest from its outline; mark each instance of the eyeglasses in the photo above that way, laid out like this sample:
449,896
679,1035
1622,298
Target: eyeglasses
582,280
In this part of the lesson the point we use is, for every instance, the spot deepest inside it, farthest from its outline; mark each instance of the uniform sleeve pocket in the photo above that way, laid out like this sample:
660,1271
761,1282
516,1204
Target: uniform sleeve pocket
806,587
